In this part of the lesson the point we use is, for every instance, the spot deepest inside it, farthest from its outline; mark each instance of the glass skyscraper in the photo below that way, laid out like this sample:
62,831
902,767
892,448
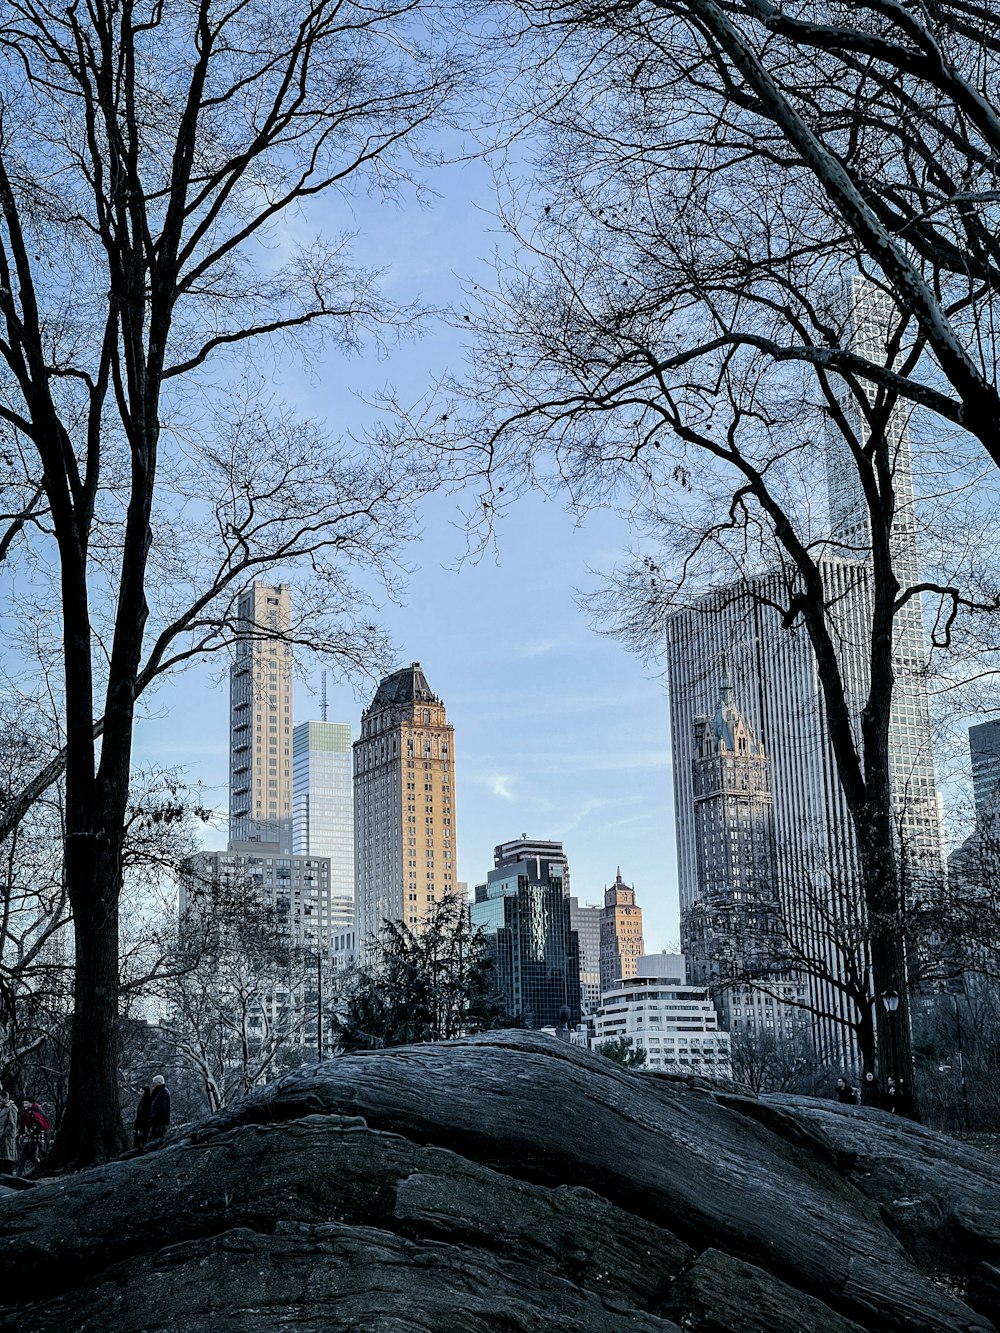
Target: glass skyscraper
525,917
984,748
323,808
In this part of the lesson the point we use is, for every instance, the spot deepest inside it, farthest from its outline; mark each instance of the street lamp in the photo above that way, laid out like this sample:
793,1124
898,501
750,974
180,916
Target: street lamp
890,1001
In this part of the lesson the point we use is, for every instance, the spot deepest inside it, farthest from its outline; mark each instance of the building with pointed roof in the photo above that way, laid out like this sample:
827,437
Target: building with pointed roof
777,682
736,872
621,932
404,805
734,837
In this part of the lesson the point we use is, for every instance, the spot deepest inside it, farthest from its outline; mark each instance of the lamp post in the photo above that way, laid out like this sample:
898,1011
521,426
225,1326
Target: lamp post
890,1001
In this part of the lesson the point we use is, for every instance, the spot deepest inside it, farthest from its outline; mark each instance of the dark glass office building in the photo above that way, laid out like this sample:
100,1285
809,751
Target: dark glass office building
984,747
526,919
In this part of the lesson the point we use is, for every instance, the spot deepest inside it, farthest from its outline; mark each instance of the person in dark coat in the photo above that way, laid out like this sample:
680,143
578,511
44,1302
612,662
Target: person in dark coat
890,1100
159,1109
845,1093
904,1101
871,1093
140,1126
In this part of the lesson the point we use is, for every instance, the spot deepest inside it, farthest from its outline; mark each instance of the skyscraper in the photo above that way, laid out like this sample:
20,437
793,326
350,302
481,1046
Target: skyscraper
323,807
585,919
777,682
621,933
869,317
404,804
260,720
984,750
525,917
525,849
734,837
774,676
735,855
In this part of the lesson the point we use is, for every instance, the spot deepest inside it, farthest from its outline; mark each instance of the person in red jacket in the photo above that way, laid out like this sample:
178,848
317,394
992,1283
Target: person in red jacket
34,1128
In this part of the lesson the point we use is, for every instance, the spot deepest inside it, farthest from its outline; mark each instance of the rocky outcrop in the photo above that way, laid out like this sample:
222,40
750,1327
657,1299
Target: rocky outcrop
508,1182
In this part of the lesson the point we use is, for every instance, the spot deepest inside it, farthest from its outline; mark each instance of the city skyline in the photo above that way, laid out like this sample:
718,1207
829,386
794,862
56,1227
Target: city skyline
565,738
567,731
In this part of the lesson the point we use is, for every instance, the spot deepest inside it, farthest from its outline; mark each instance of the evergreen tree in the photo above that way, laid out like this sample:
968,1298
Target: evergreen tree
425,985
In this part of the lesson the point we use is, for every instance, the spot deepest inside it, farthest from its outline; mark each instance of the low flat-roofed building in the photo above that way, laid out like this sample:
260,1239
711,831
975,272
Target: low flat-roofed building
675,1024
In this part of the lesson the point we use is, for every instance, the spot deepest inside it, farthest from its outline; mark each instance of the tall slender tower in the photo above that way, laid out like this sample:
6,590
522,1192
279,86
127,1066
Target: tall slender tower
870,314
260,720
323,808
404,804
734,847
621,933
734,837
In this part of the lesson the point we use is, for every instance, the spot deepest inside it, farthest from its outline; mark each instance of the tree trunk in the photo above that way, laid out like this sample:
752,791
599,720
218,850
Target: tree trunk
92,1128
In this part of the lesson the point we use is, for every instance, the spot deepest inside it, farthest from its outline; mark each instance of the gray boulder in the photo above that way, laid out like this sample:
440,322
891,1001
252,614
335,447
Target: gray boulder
499,1182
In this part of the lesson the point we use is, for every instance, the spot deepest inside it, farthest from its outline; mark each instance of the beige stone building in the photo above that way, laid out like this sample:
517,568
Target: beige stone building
404,804
260,720
621,933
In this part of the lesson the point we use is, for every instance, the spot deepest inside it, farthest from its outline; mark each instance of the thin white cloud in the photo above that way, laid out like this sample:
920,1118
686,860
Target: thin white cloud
501,787
590,808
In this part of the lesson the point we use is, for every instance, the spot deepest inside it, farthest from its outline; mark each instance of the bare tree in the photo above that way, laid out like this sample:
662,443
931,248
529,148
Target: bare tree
818,934
156,168
769,1062
681,337
236,1007
872,126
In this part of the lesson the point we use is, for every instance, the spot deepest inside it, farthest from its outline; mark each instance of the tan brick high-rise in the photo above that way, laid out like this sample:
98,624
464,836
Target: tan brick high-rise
404,804
260,726
621,933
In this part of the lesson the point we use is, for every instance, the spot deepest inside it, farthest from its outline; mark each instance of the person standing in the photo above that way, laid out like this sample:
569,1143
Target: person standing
904,1101
871,1093
8,1134
845,1093
34,1127
140,1125
159,1109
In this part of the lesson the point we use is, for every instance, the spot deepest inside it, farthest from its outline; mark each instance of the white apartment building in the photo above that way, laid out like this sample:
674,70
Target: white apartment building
674,1023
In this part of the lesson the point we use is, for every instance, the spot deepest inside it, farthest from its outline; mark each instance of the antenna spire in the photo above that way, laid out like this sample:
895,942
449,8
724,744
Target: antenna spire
726,683
322,696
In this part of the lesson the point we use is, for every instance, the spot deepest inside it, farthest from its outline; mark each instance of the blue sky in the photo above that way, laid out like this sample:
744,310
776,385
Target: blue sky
559,733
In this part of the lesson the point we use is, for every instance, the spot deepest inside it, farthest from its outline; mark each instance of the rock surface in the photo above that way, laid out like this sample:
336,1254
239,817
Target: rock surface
508,1182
